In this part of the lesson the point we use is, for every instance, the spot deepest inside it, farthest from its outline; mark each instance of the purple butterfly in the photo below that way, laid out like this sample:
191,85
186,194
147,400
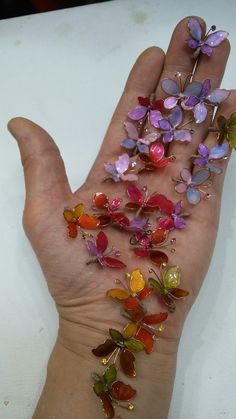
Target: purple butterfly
179,93
197,102
175,220
189,184
206,44
169,127
118,170
146,107
206,155
134,141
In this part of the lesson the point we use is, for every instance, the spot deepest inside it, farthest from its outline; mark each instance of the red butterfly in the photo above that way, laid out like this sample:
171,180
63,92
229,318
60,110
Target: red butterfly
110,215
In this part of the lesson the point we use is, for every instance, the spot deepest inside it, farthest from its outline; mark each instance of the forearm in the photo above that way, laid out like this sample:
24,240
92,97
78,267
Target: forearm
68,392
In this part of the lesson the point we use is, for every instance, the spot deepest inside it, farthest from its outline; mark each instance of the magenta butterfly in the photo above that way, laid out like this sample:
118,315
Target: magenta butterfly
98,249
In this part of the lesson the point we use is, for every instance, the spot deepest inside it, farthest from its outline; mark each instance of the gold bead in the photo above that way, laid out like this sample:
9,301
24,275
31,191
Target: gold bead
104,361
127,275
161,328
130,406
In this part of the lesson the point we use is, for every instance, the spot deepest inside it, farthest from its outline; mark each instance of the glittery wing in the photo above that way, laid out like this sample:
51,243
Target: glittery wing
193,195
217,96
122,164
131,130
220,151
200,113
216,38
137,113
200,177
170,87
195,29
176,116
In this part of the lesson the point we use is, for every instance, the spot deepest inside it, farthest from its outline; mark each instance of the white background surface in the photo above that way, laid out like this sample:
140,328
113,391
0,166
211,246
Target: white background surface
53,67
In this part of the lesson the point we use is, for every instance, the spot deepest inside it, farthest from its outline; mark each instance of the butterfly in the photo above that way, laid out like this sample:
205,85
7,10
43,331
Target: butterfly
132,295
175,220
119,344
169,127
141,201
76,217
146,107
206,43
145,245
167,286
178,93
226,129
156,158
98,249
109,389
206,156
141,327
110,207
134,142
197,102
190,184
118,171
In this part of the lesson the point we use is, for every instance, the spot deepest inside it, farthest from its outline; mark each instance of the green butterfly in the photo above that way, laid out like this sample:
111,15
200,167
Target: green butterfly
226,129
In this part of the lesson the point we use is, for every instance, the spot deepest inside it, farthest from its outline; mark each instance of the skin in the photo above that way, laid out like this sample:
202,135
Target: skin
85,314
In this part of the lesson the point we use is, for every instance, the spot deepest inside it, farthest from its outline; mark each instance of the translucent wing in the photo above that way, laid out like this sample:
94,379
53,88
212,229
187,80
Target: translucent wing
146,338
78,210
219,151
181,187
195,29
137,282
164,204
137,113
203,150
155,318
150,138
155,117
88,221
131,130
183,135
170,87
193,89
157,151
92,248
217,96
127,362
200,113
122,164
216,38
178,207
129,177
121,391
128,144
214,168
101,242
176,116
200,177
114,263
100,200
193,196
118,293
206,49
165,125
170,102
186,175
135,194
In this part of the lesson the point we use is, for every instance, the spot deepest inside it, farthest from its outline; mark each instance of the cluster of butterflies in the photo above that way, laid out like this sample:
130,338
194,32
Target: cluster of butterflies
150,127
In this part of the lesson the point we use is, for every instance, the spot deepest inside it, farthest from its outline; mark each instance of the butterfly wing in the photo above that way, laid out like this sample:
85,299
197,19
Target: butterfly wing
137,113
195,29
131,130
217,96
193,195
216,38
170,87
122,164
200,177
135,194
220,151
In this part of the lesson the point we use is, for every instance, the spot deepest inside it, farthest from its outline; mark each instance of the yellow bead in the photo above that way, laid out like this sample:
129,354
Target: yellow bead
127,275
161,328
130,406
104,361
171,277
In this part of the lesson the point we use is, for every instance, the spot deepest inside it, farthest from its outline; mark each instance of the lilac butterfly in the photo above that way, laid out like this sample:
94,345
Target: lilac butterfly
146,107
175,220
177,92
206,155
118,170
214,97
206,44
169,127
134,141
189,184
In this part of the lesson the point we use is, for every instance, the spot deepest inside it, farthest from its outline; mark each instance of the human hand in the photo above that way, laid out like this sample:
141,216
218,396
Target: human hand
78,292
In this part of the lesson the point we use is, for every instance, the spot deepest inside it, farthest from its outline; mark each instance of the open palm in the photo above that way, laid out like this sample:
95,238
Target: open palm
77,289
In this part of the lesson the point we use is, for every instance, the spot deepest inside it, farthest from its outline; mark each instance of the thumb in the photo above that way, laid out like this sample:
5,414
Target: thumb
44,171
